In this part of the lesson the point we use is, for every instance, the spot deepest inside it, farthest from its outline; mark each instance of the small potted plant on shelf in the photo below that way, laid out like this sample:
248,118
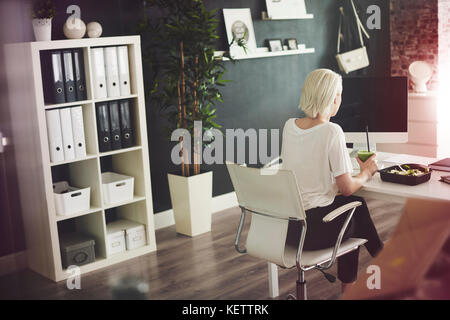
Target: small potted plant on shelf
187,89
43,13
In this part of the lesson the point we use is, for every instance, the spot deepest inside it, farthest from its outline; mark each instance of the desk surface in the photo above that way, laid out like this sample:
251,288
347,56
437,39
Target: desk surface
432,190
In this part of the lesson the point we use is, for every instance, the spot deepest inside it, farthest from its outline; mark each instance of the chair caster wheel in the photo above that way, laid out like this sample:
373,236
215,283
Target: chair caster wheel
291,297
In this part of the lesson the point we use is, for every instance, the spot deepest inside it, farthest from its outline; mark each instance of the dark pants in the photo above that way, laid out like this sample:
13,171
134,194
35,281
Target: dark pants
321,235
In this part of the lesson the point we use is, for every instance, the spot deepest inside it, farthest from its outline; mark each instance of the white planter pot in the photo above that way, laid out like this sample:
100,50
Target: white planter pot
191,201
42,29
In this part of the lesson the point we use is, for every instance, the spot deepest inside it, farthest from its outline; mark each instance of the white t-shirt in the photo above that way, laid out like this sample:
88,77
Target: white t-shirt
316,156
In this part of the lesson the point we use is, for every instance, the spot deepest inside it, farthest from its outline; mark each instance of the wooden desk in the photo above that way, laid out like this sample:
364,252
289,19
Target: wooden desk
391,192
408,256
432,190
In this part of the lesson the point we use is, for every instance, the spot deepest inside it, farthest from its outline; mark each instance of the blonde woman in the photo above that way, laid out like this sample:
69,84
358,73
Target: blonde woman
315,150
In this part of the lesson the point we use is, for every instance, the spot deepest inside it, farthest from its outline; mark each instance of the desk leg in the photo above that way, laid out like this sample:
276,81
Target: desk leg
273,280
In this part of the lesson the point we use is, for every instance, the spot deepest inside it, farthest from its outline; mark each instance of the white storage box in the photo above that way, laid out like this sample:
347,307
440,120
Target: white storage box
115,242
117,187
70,200
134,232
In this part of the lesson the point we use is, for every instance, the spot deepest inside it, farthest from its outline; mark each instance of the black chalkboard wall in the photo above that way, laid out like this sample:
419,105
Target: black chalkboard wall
263,93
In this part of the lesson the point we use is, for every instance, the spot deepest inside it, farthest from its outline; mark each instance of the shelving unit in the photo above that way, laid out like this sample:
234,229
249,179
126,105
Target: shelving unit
36,173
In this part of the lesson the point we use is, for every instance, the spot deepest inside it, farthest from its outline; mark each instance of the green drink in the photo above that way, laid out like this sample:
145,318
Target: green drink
364,155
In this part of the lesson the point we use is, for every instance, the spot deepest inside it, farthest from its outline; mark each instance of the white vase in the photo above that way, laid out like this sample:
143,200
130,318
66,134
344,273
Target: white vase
74,28
191,201
42,29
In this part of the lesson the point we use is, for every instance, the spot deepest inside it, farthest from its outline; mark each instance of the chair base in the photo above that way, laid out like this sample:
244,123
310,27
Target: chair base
301,291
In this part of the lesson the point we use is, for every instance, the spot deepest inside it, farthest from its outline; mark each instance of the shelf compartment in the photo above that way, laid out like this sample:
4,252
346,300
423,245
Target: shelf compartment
90,132
132,73
134,124
47,78
92,225
136,212
129,164
81,174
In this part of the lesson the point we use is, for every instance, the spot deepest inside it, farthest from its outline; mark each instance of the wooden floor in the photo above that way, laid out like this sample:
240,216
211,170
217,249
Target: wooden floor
204,267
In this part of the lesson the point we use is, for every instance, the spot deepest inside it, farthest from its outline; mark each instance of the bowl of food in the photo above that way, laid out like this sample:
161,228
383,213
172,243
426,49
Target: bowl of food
410,174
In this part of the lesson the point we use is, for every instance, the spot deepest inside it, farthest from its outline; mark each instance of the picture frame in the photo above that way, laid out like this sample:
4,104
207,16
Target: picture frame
291,44
275,45
286,9
239,22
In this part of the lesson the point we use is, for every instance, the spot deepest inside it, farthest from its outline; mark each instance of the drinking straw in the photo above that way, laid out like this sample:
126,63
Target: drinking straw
367,136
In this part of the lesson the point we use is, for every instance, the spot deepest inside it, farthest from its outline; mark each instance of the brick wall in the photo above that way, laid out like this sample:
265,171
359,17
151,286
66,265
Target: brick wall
444,39
414,35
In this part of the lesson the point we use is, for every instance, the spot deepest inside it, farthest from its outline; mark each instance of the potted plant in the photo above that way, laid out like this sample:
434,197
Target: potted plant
43,13
187,89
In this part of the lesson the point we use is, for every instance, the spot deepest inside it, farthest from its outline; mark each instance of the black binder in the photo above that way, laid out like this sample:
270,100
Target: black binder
103,129
114,118
69,79
125,124
52,77
78,67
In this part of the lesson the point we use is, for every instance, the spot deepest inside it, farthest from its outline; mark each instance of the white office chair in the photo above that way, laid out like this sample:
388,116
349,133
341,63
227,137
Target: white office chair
273,199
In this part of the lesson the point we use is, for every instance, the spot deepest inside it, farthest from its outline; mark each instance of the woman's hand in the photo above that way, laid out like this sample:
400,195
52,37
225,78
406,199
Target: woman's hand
369,166
348,185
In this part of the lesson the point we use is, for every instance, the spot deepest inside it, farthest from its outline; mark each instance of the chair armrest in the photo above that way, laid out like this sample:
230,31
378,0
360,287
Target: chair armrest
332,215
337,212
275,161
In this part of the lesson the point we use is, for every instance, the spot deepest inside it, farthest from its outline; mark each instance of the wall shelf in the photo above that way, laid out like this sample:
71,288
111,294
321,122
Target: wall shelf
267,54
306,16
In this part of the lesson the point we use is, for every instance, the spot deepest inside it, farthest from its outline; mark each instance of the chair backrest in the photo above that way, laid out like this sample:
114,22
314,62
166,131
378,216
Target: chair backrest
273,193
276,196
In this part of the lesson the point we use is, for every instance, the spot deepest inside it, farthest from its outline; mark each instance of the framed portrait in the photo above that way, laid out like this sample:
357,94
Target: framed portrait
239,23
285,9
292,44
275,45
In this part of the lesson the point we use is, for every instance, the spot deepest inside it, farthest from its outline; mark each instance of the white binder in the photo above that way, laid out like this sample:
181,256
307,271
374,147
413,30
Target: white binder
112,72
78,132
124,70
67,135
98,73
54,134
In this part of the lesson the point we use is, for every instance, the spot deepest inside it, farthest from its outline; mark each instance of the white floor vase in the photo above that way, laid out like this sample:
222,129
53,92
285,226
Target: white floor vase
191,201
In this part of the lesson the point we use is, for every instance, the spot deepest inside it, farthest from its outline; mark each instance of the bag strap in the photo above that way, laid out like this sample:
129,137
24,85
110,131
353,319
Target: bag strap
340,29
360,25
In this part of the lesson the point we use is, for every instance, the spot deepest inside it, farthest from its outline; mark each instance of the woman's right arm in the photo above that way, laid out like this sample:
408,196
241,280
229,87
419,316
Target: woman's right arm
348,185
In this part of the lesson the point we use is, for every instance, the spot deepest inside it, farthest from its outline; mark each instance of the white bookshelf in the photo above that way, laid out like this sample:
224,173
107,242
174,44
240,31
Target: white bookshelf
42,225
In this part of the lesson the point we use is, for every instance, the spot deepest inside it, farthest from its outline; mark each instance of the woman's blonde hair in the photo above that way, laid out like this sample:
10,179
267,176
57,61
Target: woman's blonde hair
319,91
